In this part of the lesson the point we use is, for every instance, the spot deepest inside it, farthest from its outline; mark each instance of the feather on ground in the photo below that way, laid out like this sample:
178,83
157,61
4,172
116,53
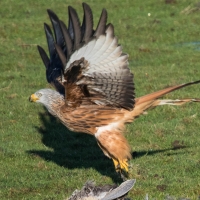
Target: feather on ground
106,192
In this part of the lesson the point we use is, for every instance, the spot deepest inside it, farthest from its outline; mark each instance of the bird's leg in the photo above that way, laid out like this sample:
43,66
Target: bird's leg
115,146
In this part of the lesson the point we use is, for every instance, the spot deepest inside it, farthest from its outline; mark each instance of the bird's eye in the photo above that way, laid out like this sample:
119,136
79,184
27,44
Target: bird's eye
39,94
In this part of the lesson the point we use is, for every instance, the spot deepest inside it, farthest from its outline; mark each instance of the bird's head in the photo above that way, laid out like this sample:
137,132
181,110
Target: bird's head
46,97
49,98
41,96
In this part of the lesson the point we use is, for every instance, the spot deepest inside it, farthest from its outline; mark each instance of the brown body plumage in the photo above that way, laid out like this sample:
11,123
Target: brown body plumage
94,83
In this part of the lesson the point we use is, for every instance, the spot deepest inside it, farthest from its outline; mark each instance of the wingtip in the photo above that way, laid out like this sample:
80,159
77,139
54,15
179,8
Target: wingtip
71,9
39,48
101,27
110,30
86,6
47,29
104,11
44,56
48,10
51,14
74,25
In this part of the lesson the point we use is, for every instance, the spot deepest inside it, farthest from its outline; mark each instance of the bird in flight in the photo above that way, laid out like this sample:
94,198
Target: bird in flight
94,87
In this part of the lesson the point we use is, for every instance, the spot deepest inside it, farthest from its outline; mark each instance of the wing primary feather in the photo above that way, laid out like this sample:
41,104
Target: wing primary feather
102,24
113,86
50,40
87,25
57,29
70,26
61,55
44,56
76,27
67,39
53,65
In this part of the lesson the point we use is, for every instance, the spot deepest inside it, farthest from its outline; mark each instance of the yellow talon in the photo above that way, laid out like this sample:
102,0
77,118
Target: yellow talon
116,164
124,165
121,165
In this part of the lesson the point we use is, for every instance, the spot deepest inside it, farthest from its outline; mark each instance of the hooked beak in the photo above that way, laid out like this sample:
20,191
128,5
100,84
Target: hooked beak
33,98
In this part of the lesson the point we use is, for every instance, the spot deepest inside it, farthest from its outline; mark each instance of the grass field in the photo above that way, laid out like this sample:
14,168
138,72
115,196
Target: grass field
41,159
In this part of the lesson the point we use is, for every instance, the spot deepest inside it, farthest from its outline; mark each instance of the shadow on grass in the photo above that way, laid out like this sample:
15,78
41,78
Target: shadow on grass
75,150
72,150
137,154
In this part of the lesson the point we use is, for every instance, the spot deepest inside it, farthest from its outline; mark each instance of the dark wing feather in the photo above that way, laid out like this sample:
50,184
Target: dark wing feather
102,74
76,27
44,56
67,39
57,29
53,65
95,68
50,40
61,55
87,25
102,24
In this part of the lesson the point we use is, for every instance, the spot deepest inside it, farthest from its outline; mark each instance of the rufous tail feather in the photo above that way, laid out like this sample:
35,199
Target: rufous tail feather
151,100
162,92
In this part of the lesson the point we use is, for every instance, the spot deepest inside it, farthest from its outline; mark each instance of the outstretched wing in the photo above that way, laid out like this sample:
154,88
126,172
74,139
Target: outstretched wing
95,69
53,64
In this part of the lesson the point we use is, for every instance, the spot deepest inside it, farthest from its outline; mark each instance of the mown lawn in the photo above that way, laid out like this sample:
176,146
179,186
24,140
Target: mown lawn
41,159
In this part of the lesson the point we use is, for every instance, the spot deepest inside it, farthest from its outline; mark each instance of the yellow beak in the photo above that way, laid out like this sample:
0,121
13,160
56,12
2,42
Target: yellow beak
33,98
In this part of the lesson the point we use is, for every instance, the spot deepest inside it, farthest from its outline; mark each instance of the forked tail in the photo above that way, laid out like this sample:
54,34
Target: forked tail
151,100
160,93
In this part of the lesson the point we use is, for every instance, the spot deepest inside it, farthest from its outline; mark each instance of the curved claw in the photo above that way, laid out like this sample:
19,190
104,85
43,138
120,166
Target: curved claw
121,165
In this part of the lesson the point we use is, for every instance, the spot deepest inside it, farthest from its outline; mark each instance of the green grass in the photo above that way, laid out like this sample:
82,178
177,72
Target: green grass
41,159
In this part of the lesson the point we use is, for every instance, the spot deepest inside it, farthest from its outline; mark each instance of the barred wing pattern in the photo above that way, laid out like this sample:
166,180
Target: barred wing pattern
95,69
